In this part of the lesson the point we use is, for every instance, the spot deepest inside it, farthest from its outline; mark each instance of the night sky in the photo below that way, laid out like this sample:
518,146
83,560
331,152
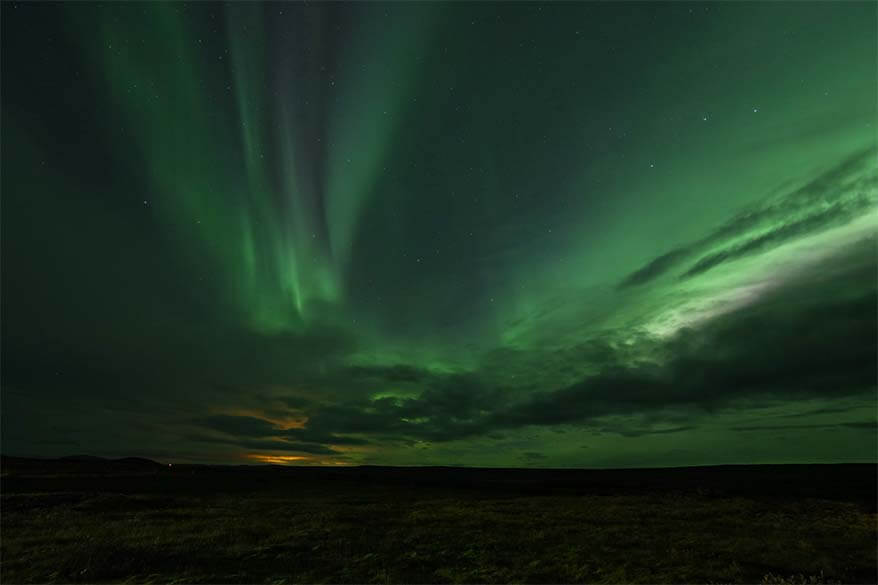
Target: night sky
553,235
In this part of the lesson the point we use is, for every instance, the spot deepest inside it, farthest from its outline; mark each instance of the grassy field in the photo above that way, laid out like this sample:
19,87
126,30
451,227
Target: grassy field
350,530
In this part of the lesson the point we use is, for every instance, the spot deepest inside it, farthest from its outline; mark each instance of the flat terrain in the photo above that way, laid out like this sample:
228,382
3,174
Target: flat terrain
136,521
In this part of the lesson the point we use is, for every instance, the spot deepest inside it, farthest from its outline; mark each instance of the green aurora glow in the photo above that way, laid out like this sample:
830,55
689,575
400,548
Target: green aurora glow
550,234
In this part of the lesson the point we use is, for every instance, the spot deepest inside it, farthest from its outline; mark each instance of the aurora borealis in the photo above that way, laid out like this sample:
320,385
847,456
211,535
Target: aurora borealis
494,234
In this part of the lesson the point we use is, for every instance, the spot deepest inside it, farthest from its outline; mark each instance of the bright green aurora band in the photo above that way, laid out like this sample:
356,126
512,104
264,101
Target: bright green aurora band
525,234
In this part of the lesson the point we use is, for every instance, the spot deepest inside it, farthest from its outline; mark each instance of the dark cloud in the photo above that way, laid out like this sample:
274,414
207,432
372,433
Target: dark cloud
450,406
819,411
862,425
315,436
655,268
827,190
866,424
835,215
244,426
640,432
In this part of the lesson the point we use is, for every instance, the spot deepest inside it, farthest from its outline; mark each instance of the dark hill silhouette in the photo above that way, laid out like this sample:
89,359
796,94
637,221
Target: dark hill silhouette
75,465
85,458
142,461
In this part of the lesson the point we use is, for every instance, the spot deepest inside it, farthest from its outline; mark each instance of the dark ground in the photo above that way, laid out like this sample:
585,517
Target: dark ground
93,520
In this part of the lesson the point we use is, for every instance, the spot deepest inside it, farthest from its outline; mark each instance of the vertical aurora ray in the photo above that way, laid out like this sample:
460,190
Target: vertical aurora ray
202,186
273,272
379,71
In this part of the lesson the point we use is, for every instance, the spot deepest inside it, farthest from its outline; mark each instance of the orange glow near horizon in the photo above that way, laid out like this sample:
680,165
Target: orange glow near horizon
291,423
292,459
276,459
